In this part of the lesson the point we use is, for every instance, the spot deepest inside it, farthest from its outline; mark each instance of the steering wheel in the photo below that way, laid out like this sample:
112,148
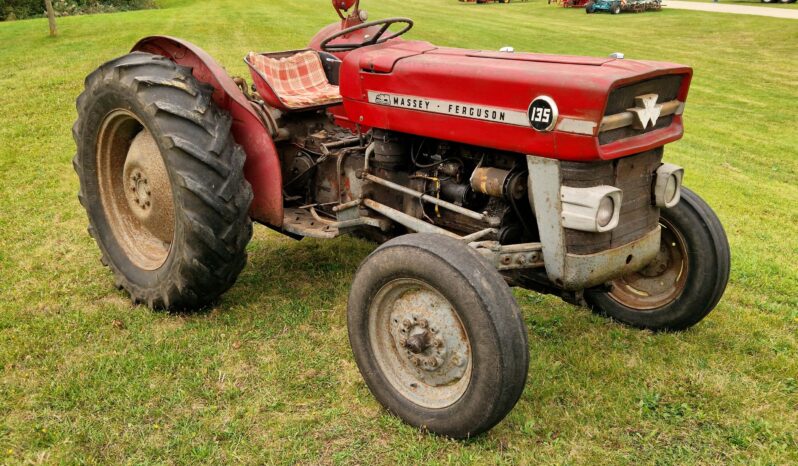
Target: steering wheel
373,40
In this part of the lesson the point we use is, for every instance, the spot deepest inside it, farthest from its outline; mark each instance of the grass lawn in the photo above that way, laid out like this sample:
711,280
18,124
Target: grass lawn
267,376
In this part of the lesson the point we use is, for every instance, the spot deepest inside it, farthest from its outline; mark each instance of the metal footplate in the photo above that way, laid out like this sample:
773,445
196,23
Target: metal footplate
306,221
302,222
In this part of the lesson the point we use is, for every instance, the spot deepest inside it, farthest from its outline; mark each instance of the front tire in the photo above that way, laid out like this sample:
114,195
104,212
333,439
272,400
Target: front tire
686,280
162,182
437,335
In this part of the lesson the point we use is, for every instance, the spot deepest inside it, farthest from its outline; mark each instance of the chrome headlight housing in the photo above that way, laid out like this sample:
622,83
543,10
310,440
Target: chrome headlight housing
668,185
595,209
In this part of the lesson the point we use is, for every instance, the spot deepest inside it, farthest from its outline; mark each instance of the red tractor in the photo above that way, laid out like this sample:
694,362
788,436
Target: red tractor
474,169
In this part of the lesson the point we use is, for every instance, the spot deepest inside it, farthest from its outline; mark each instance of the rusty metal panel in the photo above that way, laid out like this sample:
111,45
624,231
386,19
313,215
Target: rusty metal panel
544,195
584,271
512,256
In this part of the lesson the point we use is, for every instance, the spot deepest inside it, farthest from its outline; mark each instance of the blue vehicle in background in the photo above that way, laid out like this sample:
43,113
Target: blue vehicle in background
617,6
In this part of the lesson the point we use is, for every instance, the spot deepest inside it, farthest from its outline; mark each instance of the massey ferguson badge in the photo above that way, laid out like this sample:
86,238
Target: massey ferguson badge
473,169
478,112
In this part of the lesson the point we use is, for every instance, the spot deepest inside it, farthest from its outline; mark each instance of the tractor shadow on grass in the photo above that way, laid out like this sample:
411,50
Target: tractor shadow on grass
283,274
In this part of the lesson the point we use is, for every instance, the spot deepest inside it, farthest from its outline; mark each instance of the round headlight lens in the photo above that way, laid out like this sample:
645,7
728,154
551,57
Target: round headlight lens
670,188
606,211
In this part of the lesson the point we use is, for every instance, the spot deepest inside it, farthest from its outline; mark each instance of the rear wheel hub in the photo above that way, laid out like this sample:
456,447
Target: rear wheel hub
135,190
149,193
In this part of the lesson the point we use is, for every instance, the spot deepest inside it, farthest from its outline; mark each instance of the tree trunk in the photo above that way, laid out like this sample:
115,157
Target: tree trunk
51,17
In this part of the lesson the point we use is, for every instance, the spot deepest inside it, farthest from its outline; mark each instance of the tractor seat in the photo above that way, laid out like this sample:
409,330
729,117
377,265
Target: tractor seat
292,80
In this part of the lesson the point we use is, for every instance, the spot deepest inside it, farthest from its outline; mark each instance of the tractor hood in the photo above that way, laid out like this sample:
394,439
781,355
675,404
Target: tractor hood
572,108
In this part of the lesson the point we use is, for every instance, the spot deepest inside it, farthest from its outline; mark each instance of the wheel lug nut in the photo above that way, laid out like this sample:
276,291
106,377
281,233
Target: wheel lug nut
423,323
407,323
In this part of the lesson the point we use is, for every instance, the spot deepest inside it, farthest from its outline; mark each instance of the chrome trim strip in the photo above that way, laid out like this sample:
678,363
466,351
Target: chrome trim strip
624,119
572,125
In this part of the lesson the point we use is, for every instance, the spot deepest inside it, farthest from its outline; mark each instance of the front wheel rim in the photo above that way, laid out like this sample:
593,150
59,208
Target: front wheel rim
662,281
420,343
135,190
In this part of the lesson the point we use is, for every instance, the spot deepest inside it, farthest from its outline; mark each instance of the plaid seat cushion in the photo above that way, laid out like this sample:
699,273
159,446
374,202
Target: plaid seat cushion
299,80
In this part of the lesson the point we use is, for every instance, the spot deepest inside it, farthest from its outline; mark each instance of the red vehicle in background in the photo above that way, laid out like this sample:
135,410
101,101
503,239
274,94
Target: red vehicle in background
570,3
475,169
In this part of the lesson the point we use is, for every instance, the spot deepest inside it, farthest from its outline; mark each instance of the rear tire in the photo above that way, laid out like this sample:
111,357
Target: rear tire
589,8
684,283
472,369
162,182
616,9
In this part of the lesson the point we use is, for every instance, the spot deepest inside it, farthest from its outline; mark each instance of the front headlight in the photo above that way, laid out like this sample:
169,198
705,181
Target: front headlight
606,211
595,209
668,185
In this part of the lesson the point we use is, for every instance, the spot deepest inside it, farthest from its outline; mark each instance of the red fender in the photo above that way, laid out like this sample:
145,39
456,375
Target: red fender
262,167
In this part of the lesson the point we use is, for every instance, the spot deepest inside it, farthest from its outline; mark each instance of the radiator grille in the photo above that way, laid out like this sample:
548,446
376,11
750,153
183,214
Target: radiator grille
633,175
623,98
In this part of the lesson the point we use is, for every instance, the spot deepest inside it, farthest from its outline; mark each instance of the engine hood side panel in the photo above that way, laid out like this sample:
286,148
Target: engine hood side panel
400,87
